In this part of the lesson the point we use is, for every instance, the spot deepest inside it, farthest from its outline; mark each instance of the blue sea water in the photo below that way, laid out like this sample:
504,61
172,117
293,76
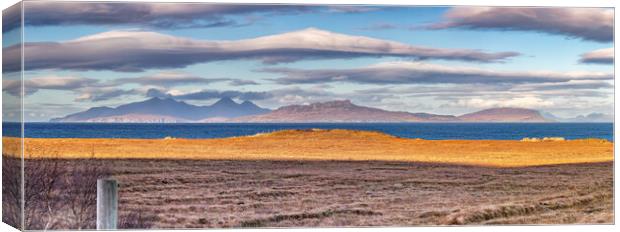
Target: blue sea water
433,131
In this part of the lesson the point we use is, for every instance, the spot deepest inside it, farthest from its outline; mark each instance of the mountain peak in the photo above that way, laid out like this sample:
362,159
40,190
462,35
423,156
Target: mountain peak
505,114
247,103
345,102
160,99
225,101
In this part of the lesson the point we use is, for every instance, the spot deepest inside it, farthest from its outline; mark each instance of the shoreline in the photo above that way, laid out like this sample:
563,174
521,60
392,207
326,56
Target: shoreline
325,145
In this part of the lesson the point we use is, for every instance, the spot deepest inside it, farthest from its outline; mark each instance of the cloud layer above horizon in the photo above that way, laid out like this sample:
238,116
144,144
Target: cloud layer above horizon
163,84
135,51
424,73
446,60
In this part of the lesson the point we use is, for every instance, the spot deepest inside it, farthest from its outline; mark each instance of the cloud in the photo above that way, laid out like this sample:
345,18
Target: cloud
594,24
102,93
569,90
305,95
464,98
11,17
168,79
524,102
210,94
600,56
352,8
424,73
154,15
240,82
572,85
318,93
33,85
13,87
87,89
133,51
380,27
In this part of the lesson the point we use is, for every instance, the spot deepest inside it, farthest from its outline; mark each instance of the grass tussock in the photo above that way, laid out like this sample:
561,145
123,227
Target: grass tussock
303,216
508,211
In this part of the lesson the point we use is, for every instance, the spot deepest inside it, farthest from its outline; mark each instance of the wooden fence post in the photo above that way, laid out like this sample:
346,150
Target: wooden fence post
107,204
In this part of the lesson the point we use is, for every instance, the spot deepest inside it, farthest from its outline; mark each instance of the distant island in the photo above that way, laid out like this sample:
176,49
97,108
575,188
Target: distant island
168,110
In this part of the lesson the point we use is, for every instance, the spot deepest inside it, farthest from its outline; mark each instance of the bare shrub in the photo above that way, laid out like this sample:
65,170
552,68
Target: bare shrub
81,194
61,194
11,191
136,220
42,182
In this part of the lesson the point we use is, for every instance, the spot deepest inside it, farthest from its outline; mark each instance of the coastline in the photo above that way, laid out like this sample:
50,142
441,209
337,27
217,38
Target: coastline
329,145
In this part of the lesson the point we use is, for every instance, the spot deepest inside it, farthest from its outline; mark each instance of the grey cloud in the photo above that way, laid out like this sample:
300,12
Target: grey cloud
211,94
595,24
11,58
352,8
133,51
424,73
241,82
601,56
453,92
13,87
380,27
88,89
434,90
157,93
11,17
316,91
33,85
168,79
157,15
569,85
102,94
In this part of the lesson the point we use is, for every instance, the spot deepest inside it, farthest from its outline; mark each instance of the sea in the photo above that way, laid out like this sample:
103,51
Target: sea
431,131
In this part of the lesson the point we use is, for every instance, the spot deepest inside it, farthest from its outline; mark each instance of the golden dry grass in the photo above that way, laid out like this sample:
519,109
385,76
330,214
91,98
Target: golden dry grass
325,145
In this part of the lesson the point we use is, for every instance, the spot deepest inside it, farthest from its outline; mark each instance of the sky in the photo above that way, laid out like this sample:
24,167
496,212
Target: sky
442,60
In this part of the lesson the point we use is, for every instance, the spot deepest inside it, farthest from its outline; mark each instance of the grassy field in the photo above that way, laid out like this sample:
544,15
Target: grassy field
342,145
215,194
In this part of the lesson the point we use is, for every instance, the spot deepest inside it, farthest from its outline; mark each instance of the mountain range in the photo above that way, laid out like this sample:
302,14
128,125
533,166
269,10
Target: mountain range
593,117
168,110
339,111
